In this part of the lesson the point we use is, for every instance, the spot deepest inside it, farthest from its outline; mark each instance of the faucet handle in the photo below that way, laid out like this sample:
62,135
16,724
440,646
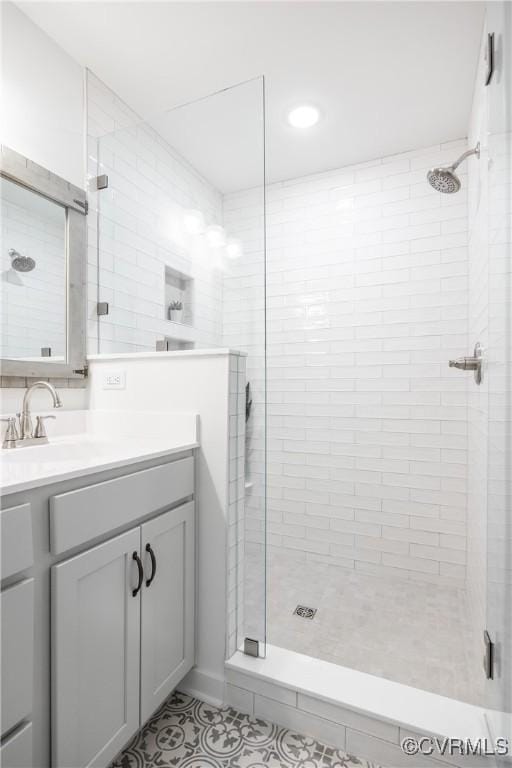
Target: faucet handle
40,430
11,433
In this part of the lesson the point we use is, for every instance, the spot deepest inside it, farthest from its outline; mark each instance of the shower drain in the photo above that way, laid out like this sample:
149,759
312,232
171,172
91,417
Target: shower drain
304,612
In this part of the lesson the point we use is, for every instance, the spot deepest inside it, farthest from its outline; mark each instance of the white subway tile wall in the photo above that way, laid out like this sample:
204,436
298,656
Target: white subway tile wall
138,227
367,299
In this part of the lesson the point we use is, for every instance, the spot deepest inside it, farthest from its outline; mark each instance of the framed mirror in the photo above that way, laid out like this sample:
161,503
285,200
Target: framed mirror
43,278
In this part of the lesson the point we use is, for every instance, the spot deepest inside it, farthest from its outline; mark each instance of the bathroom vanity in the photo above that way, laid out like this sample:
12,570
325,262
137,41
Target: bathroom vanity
97,601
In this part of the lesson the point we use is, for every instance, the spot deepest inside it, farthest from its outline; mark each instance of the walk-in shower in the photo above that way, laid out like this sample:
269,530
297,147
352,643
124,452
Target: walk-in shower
366,467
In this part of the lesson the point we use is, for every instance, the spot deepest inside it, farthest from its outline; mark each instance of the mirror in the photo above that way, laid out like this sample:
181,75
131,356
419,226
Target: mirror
33,287
42,265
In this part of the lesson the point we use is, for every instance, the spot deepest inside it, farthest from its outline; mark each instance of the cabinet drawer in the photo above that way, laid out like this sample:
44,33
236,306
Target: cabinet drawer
16,534
79,516
16,751
17,611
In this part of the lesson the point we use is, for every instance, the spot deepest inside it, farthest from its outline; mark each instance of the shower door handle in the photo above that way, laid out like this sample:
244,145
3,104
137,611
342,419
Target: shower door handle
470,363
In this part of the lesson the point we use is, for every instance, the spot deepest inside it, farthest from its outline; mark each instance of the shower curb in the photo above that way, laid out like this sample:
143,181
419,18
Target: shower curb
363,714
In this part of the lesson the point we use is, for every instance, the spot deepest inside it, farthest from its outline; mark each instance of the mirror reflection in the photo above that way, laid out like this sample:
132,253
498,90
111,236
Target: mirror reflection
33,271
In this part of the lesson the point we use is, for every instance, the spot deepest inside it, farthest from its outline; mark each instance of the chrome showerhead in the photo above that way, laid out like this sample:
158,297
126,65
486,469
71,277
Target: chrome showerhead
445,179
21,263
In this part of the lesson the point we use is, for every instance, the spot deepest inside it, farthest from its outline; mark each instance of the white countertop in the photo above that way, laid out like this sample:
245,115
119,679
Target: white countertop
93,441
169,355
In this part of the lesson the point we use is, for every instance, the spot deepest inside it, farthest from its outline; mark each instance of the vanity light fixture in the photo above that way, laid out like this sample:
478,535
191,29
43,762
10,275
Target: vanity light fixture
304,116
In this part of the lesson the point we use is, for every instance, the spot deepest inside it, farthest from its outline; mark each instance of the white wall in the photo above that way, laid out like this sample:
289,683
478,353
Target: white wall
41,98
43,118
367,301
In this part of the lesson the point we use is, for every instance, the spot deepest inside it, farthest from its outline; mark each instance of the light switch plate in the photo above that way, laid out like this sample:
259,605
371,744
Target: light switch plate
114,379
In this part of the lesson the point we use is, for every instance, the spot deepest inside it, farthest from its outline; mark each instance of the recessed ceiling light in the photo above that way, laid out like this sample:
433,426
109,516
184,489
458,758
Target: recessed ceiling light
304,116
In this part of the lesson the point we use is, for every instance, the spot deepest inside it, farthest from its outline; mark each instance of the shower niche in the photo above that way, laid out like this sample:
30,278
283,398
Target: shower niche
178,299
178,311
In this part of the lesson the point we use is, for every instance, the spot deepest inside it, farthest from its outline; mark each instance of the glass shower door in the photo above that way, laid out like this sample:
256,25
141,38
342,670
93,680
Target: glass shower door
173,267
499,497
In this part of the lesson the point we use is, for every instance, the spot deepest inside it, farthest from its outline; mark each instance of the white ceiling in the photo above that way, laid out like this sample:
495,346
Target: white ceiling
386,76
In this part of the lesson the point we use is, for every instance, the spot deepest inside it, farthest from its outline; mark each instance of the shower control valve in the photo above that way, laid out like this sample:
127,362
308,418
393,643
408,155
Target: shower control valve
470,363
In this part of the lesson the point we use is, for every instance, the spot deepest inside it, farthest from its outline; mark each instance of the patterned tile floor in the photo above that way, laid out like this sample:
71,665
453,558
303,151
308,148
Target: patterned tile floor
187,733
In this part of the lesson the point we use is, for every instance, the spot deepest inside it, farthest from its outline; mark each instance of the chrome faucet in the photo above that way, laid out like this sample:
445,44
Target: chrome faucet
26,435
26,428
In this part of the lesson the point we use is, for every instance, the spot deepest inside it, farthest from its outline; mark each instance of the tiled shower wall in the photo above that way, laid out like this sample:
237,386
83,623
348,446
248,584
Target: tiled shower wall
137,229
367,297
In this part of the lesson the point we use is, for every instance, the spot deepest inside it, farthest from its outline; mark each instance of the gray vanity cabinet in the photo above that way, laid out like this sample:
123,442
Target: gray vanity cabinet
17,635
122,635
95,653
85,661
167,620
17,610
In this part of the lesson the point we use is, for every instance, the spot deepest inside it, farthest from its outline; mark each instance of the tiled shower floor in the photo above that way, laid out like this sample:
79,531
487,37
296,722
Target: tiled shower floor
411,632
187,733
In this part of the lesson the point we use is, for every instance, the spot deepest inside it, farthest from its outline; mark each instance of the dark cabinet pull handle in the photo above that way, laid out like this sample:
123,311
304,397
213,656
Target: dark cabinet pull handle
153,564
141,574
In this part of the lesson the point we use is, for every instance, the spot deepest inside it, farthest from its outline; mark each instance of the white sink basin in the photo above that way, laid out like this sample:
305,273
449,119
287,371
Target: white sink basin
64,449
105,444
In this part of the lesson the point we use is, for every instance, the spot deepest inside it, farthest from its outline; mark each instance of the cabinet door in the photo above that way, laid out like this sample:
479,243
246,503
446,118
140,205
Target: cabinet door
17,612
167,636
96,651
16,750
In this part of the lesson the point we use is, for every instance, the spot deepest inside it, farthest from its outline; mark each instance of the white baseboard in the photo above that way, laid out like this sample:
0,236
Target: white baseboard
204,686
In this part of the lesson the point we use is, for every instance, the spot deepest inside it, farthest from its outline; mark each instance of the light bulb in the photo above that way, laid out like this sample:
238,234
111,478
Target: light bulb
216,236
304,116
234,249
193,221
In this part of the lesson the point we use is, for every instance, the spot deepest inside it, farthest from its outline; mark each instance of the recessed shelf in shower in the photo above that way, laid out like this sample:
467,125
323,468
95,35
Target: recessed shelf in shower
178,299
